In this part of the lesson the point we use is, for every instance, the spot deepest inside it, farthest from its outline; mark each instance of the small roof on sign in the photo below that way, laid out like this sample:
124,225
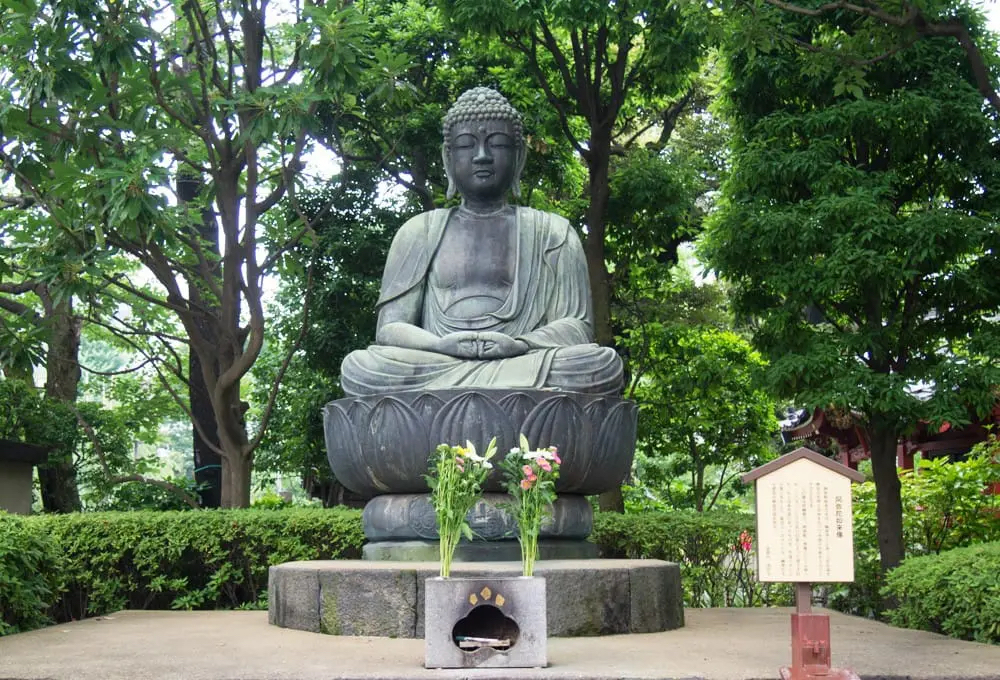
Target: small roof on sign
19,452
798,454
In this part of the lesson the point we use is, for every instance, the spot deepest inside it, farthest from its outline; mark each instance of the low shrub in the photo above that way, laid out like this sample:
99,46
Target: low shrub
211,559
29,575
714,549
945,505
956,593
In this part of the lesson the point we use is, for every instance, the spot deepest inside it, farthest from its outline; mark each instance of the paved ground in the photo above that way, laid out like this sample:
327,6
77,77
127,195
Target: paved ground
716,644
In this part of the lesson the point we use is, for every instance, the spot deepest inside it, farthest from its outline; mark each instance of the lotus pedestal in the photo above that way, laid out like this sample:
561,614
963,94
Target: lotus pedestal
379,446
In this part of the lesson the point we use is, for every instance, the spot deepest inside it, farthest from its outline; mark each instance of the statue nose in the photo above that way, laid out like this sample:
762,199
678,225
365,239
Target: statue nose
482,155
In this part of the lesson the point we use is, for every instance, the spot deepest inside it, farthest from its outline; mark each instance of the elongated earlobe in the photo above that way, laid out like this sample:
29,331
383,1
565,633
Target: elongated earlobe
446,161
522,156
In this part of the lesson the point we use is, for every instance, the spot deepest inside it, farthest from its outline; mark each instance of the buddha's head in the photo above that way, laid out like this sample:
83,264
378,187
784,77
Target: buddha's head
483,148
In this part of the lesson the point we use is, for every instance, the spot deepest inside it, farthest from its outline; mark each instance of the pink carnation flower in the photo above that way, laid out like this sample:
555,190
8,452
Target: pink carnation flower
526,483
544,464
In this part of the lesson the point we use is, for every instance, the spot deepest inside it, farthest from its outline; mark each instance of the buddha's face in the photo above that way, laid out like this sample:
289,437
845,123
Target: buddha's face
484,159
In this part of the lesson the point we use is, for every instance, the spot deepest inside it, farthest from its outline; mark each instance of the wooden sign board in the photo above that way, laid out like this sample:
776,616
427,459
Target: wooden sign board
804,530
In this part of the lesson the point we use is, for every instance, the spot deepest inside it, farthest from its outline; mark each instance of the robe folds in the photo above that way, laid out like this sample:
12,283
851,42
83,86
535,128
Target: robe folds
548,307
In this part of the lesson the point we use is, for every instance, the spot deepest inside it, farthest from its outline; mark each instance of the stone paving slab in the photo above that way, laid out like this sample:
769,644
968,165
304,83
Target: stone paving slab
716,644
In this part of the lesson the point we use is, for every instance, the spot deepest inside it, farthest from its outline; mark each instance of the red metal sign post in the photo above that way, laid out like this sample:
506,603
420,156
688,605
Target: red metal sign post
811,643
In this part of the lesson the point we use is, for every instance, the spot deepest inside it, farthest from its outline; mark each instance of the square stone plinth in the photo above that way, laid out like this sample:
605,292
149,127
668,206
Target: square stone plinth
485,622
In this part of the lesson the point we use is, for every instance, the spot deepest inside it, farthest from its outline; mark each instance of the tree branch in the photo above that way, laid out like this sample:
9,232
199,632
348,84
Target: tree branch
123,371
913,18
22,310
286,360
18,288
120,479
531,52
20,202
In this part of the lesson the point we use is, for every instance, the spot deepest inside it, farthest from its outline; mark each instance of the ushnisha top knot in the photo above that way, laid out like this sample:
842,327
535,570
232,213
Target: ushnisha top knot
481,104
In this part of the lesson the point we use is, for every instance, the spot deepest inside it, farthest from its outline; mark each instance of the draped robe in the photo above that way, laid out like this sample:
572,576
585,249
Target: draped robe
548,307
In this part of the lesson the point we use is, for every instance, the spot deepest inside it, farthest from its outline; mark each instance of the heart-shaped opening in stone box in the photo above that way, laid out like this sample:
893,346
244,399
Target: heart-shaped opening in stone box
485,627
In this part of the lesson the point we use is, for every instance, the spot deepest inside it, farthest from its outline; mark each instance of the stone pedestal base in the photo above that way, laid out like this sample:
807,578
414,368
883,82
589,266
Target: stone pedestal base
583,597
410,516
492,551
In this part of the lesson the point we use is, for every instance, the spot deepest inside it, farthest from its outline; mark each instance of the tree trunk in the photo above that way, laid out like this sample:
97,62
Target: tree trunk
62,379
883,438
236,481
207,461
597,267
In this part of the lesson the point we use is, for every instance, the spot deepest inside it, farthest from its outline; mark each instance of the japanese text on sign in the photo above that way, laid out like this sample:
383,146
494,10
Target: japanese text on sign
804,525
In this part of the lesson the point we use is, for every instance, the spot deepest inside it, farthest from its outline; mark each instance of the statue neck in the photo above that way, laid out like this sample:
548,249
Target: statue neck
483,208
497,212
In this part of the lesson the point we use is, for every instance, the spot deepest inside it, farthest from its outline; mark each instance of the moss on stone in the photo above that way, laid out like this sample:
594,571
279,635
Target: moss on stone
329,620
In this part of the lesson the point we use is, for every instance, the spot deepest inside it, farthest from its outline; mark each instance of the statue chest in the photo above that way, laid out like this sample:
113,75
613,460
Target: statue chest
475,266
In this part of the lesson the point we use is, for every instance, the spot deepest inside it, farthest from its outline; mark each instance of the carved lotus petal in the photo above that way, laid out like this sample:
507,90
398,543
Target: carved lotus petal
517,405
559,421
396,446
474,417
597,410
358,412
343,450
613,449
426,406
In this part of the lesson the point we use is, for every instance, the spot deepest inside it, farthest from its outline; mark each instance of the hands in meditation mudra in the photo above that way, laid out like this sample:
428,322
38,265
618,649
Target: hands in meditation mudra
485,294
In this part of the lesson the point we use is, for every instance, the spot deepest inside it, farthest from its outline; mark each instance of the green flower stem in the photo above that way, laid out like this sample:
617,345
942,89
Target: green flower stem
456,480
530,481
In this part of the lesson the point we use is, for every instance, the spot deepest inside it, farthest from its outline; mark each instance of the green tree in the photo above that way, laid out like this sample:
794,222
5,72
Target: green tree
705,415
903,23
341,273
40,324
106,104
859,231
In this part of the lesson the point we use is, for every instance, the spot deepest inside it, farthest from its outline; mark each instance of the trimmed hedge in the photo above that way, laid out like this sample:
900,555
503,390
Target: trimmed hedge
29,579
956,592
713,549
66,567
211,559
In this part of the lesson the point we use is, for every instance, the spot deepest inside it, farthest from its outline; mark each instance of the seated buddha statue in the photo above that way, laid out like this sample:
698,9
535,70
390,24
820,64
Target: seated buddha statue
485,294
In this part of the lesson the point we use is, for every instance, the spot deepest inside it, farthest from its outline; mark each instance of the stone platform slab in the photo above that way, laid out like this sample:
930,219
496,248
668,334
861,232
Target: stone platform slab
714,644
386,599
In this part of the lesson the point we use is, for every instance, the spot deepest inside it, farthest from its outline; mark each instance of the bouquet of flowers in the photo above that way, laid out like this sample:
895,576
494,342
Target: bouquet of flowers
456,480
530,477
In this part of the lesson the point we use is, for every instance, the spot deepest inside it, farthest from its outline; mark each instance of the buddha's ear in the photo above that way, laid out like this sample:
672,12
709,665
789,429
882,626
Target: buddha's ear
522,156
446,161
